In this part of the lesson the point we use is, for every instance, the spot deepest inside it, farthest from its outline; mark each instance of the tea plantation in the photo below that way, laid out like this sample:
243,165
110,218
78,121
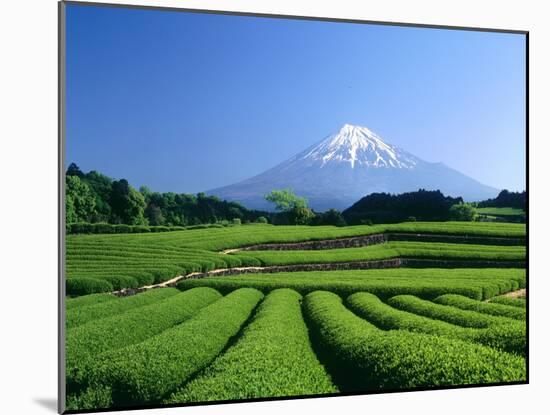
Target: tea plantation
257,311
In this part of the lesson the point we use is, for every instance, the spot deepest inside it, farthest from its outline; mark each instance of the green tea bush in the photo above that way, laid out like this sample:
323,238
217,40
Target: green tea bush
122,281
273,357
146,372
487,308
426,283
364,358
401,249
82,315
87,300
83,286
121,228
514,302
86,341
464,318
510,338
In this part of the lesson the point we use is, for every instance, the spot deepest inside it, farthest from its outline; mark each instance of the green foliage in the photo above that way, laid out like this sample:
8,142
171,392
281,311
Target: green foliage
330,217
501,211
385,317
261,219
514,302
117,202
464,318
285,200
84,285
363,358
158,256
423,250
81,315
273,357
462,212
80,202
127,204
301,216
487,308
86,341
145,372
426,283
388,208
87,300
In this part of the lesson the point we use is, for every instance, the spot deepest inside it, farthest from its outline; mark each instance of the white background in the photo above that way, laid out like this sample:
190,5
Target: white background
28,204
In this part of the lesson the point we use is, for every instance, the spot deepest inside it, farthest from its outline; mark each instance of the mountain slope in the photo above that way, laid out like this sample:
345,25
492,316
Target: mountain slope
347,166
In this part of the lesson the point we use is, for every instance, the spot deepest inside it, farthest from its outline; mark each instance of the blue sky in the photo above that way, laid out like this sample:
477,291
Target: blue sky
188,102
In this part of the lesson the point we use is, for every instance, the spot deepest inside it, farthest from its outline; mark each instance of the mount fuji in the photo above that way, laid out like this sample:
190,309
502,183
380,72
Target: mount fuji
348,165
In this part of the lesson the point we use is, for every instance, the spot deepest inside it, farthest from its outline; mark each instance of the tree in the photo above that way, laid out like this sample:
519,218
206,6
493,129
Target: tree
80,202
127,204
285,200
100,186
301,215
154,214
74,170
462,212
330,217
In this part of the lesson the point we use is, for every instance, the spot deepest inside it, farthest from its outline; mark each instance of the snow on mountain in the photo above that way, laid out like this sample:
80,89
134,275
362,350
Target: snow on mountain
358,145
348,165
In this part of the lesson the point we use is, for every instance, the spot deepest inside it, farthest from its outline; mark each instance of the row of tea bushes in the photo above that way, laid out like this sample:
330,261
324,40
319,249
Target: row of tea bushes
87,300
273,357
509,337
108,228
426,283
81,315
365,358
86,341
453,315
146,372
488,308
421,250
514,302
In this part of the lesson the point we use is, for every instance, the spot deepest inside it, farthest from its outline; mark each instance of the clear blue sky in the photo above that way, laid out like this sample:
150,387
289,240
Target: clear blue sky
188,102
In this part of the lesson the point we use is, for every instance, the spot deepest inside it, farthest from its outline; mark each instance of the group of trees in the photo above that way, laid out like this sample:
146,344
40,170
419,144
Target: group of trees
93,197
506,198
293,210
388,208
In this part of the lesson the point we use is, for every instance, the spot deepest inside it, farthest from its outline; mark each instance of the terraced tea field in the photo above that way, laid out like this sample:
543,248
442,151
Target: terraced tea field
258,311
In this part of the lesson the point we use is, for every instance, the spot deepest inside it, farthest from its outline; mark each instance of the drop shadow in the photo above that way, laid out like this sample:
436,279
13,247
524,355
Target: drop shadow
48,403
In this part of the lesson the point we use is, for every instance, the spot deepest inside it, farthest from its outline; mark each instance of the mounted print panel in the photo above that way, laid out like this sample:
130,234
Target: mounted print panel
266,207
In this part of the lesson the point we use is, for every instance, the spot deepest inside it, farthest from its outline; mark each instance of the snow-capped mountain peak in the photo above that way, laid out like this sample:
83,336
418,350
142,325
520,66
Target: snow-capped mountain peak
348,165
358,145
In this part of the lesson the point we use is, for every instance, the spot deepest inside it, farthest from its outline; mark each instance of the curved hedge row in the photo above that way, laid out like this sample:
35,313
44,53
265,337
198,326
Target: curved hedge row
87,300
487,308
85,342
426,283
146,372
272,358
366,358
508,337
514,302
422,250
463,318
83,286
82,315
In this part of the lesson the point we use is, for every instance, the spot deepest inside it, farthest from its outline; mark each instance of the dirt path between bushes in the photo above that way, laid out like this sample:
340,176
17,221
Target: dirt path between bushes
515,294
335,266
